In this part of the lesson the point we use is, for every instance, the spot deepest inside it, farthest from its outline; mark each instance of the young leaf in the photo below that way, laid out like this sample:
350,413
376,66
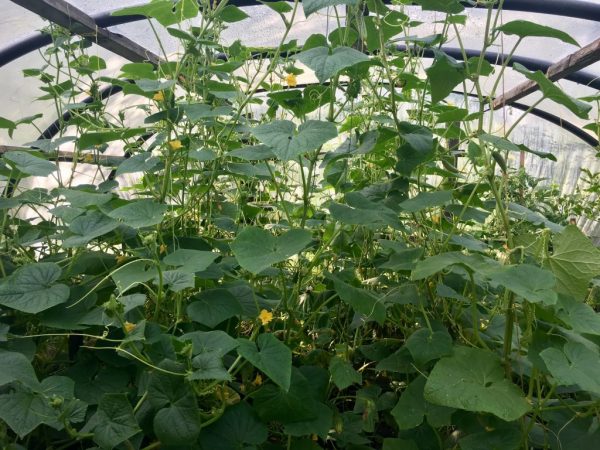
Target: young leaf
524,28
256,249
232,13
472,379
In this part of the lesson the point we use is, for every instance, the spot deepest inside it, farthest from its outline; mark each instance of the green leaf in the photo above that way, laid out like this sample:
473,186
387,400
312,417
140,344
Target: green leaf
231,14
280,7
179,423
239,427
16,367
501,438
361,301
327,63
88,227
92,139
133,273
302,101
23,411
177,280
143,162
580,317
164,11
113,422
217,342
473,379
343,374
424,200
256,249
444,75
140,214
363,211
32,288
524,28
426,345
575,261
445,6
137,71
311,6
532,283
271,356
83,199
209,366
575,365
437,263
417,148
504,144
412,408
30,164
554,93
289,144
187,260
212,307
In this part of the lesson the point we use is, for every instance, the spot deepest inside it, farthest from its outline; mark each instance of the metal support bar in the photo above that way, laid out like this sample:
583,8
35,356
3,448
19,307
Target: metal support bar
582,58
64,14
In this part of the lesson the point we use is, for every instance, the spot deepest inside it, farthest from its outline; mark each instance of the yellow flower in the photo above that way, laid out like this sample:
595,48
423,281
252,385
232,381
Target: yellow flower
265,316
159,96
258,380
291,80
88,158
129,327
162,249
175,145
436,218
121,259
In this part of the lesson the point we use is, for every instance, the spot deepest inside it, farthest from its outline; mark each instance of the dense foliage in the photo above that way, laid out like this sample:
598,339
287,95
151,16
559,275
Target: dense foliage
350,264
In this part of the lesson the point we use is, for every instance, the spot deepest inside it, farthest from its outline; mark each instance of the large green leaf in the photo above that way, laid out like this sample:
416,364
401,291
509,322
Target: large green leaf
141,213
256,249
23,411
289,143
32,288
212,307
16,367
178,424
425,200
84,199
132,274
209,366
217,342
88,227
239,427
187,260
576,364
142,162
437,263
362,301
444,75
575,261
361,210
473,379
579,316
271,356
554,93
30,164
327,63
524,28
532,283
113,422
311,6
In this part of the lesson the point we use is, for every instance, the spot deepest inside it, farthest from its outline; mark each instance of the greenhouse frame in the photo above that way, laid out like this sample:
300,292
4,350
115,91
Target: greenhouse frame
300,225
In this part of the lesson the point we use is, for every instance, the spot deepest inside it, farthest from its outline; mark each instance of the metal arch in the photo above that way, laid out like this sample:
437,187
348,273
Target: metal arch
569,8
